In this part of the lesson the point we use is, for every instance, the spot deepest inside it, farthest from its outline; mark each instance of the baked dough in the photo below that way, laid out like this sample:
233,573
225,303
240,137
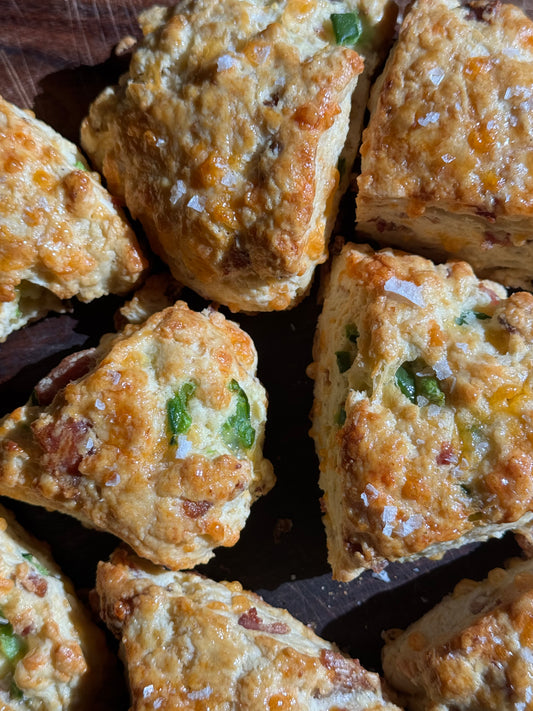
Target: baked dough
61,234
190,643
447,168
52,656
473,651
422,408
158,439
224,138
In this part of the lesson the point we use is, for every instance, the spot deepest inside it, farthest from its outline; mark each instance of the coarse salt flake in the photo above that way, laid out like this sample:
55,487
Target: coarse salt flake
448,158
148,691
436,75
226,61
388,517
405,289
204,693
113,480
178,190
229,179
382,575
196,203
412,523
463,347
183,448
442,368
99,404
430,117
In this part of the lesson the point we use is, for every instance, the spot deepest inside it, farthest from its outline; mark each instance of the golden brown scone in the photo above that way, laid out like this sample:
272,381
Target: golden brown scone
61,234
52,656
473,651
159,442
422,410
224,137
190,643
446,157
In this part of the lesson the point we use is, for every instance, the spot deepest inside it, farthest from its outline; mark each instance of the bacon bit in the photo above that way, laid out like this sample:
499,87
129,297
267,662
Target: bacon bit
251,621
347,673
34,583
72,367
65,444
447,454
494,298
482,10
196,509
506,325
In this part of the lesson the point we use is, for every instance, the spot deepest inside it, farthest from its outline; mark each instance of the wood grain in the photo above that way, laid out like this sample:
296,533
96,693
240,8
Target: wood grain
55,57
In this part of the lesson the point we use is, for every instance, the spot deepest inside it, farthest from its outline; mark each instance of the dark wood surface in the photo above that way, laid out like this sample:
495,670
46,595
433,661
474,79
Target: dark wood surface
55,56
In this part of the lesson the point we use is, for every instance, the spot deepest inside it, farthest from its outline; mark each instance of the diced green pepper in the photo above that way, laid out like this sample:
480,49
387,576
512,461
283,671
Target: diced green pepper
237,431
12,646
469,316
79,165
178,418
40,568
352,332
428,387
406,382
347,27
340,417
344,360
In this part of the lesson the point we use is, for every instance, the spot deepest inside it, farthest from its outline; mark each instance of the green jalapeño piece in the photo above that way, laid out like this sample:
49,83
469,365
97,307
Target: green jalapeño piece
347,27
178,417
414,382
237,430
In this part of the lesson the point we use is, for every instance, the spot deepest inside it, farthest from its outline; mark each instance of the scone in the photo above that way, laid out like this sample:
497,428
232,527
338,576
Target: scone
157,438
447,167
190,643
473,651
53,657
61,235
224,138
422,413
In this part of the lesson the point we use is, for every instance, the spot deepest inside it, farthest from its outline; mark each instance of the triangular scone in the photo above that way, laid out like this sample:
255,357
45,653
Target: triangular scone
473,651
422,415
190,643
447,167
61,235
52,656
160,442
224,138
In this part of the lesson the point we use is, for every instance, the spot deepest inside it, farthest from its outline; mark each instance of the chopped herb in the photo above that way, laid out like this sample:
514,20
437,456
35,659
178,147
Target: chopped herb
414,384
237,431
179,419
406,382
352,332
12,646
40,568
341,166
344,360
347,27
79,165
469,316
340,417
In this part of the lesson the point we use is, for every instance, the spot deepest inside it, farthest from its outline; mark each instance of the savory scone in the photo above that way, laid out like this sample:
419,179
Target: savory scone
422,414
473,651
52,656
155,436
61,234
447,166
224,138
190,643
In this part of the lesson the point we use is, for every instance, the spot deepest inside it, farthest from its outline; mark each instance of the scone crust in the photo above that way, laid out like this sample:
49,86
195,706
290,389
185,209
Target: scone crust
64,662
446,158
473,650
403,479
189,643
106,449
60,232
239,200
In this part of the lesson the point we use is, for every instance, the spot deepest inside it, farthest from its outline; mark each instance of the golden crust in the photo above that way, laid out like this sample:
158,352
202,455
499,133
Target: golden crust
60,233
63,661
403,478
474,650
241,198
446,158
191,643
147,444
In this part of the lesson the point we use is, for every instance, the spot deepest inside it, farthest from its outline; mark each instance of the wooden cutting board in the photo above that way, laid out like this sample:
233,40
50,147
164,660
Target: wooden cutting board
55,57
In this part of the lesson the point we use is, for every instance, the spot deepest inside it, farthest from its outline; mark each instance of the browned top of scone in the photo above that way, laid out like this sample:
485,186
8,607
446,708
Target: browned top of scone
159,442
59,228
452,120
213,136
411,469
473,650
191,643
